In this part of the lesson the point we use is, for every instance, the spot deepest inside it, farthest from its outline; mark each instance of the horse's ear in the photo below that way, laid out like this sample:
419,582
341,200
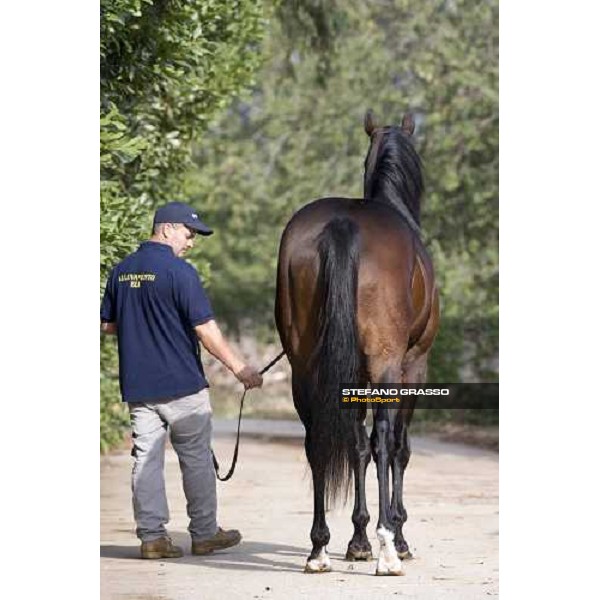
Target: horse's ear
370,122
408,124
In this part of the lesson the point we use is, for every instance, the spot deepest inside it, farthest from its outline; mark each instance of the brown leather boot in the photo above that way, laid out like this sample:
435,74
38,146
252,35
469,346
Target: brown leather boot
222,539
161,548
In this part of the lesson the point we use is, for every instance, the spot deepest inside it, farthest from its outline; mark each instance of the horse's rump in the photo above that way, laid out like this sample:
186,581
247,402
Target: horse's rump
394,286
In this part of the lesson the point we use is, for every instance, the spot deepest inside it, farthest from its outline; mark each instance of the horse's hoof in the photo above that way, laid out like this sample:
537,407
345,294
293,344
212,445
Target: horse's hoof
359,551
388,562
353,555
388,565
405,555
397,572
320,564
312,570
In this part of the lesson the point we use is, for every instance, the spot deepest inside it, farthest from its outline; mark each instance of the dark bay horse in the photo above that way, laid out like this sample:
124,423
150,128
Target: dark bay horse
357,303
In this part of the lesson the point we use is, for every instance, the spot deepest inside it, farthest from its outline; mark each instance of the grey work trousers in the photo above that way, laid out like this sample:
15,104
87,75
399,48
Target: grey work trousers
190,424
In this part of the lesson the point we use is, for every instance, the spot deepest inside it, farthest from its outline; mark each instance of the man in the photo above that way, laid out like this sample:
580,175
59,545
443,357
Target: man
155,303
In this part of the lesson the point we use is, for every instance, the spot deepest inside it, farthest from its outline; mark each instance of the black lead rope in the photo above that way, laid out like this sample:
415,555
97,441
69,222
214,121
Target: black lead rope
237,442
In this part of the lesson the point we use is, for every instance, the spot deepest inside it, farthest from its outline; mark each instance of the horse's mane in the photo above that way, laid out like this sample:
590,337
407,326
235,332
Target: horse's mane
397,177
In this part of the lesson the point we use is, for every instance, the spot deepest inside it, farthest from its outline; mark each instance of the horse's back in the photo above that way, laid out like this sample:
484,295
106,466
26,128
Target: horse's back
387,244
371,218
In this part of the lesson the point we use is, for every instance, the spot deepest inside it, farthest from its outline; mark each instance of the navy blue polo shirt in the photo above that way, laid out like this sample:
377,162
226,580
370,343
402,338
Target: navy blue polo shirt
156,300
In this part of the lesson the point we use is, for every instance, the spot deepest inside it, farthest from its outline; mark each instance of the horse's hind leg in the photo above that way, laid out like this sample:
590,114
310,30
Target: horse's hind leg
382,441
359,547
383,444
414,372
318,561
399,463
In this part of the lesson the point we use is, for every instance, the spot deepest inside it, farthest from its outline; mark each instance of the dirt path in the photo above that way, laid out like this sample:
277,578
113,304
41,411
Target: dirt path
451,497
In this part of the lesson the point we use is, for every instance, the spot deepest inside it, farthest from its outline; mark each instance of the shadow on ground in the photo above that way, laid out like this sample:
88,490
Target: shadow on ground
248,556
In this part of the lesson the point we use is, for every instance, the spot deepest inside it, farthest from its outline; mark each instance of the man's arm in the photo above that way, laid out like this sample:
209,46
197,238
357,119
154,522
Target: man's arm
108,328
213,340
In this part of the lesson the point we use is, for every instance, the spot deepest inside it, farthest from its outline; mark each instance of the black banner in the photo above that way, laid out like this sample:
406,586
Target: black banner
464,396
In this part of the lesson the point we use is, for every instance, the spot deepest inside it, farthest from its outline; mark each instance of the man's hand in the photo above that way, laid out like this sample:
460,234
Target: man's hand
212,339
250,377
108,328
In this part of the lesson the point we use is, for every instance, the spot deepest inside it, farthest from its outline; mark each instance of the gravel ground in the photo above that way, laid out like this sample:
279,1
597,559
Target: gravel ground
451,494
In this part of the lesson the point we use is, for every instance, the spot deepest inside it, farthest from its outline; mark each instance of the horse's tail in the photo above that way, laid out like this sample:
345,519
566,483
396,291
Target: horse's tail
337,357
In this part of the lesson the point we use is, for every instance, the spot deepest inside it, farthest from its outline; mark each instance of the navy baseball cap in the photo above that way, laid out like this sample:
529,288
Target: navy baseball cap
179,212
